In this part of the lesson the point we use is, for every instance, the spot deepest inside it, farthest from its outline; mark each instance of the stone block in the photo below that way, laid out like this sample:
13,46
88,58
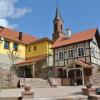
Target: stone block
88,91
27,94
95,97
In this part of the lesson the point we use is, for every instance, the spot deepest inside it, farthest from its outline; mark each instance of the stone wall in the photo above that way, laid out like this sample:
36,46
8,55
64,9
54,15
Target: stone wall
95,78
7,79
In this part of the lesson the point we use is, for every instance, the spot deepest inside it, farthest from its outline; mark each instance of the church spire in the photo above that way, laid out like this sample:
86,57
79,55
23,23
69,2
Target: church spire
57,24
57,14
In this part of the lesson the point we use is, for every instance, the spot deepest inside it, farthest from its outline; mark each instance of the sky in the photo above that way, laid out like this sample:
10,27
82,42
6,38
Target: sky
36,16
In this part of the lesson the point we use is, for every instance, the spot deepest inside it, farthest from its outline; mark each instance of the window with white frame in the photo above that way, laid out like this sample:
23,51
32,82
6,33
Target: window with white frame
70,53
66,55
61,55
80,51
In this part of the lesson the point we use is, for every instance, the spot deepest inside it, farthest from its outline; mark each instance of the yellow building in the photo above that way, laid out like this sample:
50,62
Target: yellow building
11,40
31,51
38,56
39,47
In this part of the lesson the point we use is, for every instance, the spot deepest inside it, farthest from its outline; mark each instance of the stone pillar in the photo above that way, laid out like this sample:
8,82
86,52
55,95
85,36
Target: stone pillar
82,76
33,71
75,76
55,71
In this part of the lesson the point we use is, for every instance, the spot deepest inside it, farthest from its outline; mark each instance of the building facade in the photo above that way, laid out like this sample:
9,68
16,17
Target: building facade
39,57
75,56
17,42
19,49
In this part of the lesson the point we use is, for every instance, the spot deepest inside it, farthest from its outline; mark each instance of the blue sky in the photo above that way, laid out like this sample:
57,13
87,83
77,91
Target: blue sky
37,15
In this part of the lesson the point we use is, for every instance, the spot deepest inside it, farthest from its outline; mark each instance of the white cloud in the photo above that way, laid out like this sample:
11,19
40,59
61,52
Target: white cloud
8,10
5,23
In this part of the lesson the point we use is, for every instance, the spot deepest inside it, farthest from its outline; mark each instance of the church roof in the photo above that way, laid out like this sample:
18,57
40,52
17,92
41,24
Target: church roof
57,14
75,38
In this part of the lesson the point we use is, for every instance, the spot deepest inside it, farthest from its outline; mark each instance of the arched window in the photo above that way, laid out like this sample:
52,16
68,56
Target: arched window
61,28
35,48
55,27
29,49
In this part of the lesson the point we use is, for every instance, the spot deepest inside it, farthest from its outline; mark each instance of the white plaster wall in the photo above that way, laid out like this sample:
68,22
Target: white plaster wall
96,53
66,48
5,61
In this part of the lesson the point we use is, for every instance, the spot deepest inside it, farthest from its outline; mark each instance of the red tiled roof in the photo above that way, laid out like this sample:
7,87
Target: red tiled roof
13,35
32,60
42,40
79,62
75,38
85,65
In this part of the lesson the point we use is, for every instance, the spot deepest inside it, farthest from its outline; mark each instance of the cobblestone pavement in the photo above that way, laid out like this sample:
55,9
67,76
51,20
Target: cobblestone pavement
10,93
59,92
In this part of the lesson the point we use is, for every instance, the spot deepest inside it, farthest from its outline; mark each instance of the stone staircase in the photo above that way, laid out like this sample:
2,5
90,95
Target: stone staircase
35,82
95,79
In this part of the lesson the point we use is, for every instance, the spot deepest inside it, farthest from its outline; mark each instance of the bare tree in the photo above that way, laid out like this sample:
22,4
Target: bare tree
13,56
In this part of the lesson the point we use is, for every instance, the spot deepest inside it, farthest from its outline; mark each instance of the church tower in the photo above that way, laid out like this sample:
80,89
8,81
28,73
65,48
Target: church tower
58,25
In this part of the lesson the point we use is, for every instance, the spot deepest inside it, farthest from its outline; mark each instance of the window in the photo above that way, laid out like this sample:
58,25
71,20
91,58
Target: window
15,46
66,55
55,27
78,73
70,53
35,48
80,52
61,28
29,49
93,51
61,55
6,44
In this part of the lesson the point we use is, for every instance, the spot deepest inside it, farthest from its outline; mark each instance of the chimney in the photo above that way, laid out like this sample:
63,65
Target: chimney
68,33
20,35
1,27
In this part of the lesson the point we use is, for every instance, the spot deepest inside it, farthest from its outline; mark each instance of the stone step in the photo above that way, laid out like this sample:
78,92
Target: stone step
36,82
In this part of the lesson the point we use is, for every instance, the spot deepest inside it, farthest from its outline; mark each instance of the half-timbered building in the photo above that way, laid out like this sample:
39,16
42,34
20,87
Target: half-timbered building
76,56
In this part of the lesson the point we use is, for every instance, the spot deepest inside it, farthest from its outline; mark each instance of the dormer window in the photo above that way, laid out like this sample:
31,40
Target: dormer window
15,46
6,44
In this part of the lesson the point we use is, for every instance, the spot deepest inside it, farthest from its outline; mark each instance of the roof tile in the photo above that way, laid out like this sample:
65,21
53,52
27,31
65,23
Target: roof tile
13,35
75,38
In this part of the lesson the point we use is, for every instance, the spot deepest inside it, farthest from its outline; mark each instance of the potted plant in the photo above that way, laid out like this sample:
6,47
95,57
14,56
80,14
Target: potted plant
88,85
27,87
27,93
88,90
